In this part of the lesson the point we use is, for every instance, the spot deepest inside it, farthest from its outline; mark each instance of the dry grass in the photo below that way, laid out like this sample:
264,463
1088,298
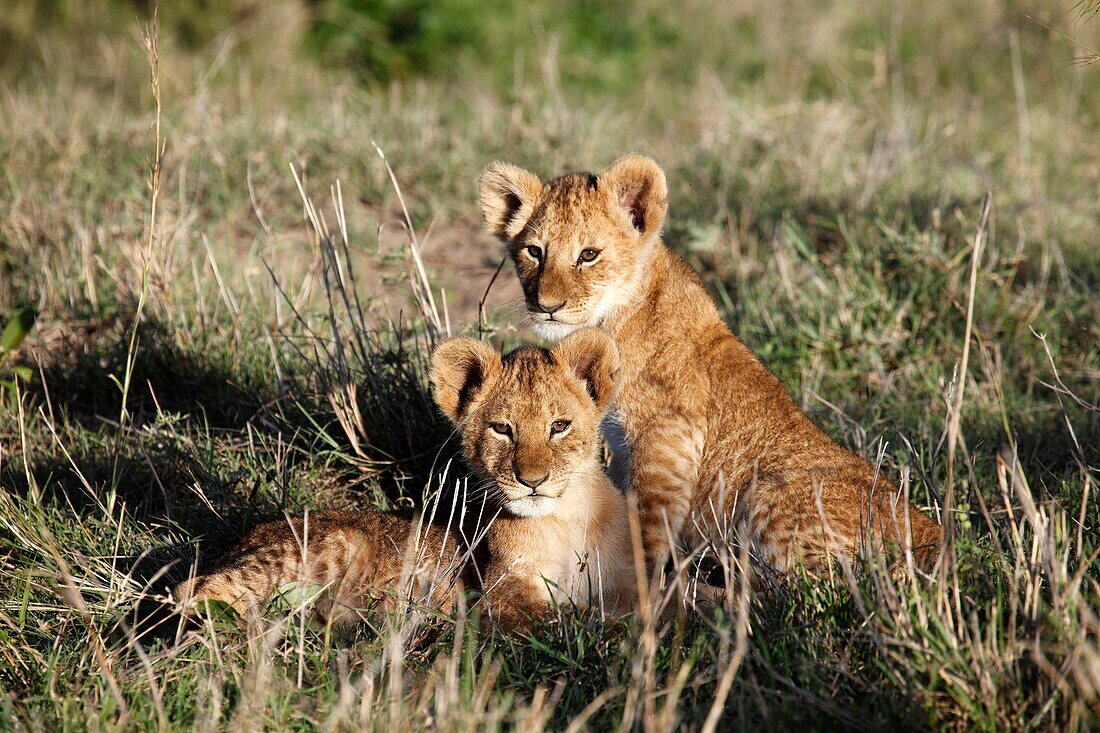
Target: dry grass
222,339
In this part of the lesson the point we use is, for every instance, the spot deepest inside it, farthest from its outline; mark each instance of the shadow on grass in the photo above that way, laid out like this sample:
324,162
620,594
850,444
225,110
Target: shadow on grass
214,389
82,370
214,444
170,495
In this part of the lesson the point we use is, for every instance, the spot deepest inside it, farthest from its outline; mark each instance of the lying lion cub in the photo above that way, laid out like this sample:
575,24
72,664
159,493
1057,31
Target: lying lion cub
713,437
529,424
530,428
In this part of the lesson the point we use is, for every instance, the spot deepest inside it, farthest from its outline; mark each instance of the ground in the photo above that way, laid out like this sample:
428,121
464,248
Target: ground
195,367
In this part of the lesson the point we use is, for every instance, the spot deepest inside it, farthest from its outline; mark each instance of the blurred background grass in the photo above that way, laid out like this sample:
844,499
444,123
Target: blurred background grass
826,161
810,110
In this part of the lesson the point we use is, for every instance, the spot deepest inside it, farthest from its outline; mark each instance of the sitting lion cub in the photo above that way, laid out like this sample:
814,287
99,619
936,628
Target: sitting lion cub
529,424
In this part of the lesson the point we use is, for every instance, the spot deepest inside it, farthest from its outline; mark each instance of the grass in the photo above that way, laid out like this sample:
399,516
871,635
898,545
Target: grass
198,370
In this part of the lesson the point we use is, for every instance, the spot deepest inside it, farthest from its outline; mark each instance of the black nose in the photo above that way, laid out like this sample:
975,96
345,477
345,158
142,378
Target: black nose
532,483
550,308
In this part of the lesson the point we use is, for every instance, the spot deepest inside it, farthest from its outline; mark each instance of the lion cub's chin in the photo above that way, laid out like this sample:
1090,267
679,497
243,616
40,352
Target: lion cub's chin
554,330
531,506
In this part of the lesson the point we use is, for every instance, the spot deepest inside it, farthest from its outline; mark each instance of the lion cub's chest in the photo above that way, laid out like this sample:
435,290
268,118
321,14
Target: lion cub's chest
581,555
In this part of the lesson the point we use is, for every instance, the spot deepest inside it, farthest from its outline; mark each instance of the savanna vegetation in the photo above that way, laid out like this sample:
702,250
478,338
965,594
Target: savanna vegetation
230,232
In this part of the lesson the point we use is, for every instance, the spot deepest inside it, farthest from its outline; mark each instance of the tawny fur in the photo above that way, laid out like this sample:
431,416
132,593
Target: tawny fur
356,559
714,439
566,539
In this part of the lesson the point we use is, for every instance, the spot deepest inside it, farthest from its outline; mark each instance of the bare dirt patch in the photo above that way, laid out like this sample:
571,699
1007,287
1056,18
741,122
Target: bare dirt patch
461,260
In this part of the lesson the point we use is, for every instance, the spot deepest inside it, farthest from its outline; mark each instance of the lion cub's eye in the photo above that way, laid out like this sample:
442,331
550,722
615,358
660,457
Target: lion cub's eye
558,427
501,428
534,253
588,255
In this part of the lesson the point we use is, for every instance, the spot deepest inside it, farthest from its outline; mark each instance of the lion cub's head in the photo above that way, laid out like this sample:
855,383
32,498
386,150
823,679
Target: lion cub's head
579,242
530,420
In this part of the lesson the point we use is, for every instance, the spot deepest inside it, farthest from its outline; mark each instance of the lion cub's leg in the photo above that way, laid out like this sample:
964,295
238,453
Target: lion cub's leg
665,458
516,598
346,559
251,572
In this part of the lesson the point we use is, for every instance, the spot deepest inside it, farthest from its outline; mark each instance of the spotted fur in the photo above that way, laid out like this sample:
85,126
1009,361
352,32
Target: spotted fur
352,560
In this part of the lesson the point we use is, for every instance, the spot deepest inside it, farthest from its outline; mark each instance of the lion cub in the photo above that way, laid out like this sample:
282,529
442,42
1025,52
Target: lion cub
713,437
529,424
530,429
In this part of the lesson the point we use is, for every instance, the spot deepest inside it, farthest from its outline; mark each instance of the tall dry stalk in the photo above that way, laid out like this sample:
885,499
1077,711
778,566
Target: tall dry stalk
351,358
150,36
418,275
954,435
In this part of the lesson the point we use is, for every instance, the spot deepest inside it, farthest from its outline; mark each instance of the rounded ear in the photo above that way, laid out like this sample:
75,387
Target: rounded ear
507,195
594,357
640,191
461,367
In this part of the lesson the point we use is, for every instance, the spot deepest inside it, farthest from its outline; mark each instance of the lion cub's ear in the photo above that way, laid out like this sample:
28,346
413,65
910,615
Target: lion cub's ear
461,368
593,356
507,195
641,191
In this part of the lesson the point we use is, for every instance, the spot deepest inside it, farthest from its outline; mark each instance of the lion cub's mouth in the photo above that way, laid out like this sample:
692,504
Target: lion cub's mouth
532,505
542,316
554,329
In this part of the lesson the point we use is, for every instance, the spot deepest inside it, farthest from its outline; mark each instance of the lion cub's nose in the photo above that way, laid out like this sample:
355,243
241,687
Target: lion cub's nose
529,480
550,308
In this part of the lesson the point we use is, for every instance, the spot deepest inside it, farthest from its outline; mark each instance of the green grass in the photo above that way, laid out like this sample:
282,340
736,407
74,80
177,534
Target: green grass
827,164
